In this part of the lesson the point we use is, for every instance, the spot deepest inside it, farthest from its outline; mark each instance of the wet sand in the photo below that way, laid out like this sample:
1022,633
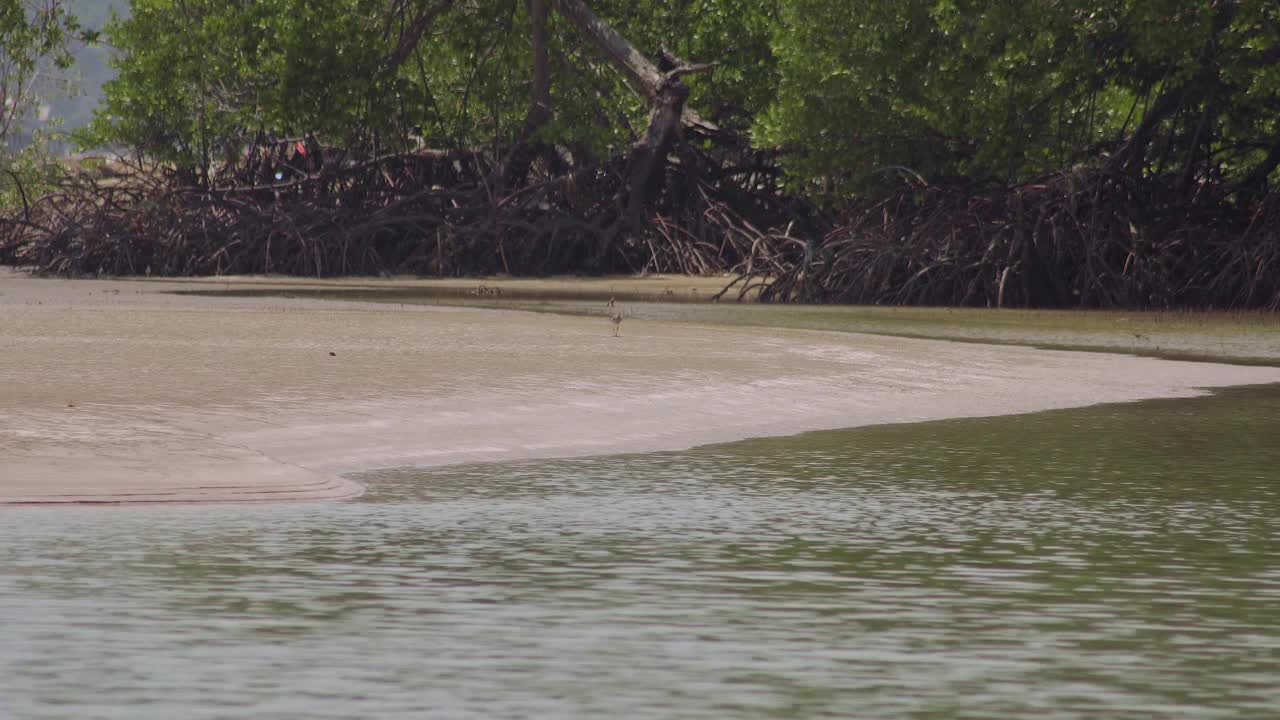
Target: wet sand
114,391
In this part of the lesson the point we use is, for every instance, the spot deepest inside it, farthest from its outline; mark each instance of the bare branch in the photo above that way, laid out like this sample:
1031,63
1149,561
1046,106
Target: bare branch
643,75
411,35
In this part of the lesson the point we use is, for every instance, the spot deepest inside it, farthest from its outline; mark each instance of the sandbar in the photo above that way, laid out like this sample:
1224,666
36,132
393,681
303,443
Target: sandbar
117,391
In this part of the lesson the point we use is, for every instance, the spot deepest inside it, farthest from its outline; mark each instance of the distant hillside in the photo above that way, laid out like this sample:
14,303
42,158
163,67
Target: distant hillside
85,79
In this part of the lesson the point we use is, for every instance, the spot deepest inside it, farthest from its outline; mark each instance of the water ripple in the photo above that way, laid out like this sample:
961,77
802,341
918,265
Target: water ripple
1080,564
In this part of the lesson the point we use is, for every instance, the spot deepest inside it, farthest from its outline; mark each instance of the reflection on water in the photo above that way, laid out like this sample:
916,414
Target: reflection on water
1116,562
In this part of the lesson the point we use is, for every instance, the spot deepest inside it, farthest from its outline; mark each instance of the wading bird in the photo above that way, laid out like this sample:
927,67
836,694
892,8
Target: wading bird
615,317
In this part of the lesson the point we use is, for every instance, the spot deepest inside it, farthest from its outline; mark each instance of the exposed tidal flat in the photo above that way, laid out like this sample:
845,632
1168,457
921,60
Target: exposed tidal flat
124,391
543,520
1240,337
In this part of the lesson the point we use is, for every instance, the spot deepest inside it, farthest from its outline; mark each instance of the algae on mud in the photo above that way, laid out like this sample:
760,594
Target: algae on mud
1246,337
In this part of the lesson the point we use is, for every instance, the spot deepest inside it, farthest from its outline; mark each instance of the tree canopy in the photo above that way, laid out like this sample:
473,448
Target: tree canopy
454,73
35,36
1006,90
36,40
993,91
1042,152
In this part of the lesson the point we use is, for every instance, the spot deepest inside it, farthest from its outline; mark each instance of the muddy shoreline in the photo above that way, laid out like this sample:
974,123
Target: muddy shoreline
118,391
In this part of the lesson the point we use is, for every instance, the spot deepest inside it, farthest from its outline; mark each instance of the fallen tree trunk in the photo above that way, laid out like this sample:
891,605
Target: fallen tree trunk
648,158
643,75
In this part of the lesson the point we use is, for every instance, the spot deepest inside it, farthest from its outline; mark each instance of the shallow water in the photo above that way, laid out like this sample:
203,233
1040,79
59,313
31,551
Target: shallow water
1112,562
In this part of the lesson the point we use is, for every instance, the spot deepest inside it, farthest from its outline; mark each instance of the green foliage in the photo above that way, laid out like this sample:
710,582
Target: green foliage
859,92
30,172
1008,89
34,46
197,77
201,77
924,84
736,35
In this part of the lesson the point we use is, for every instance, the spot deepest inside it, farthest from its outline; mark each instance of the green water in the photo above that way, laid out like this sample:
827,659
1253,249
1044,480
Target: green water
1111,562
